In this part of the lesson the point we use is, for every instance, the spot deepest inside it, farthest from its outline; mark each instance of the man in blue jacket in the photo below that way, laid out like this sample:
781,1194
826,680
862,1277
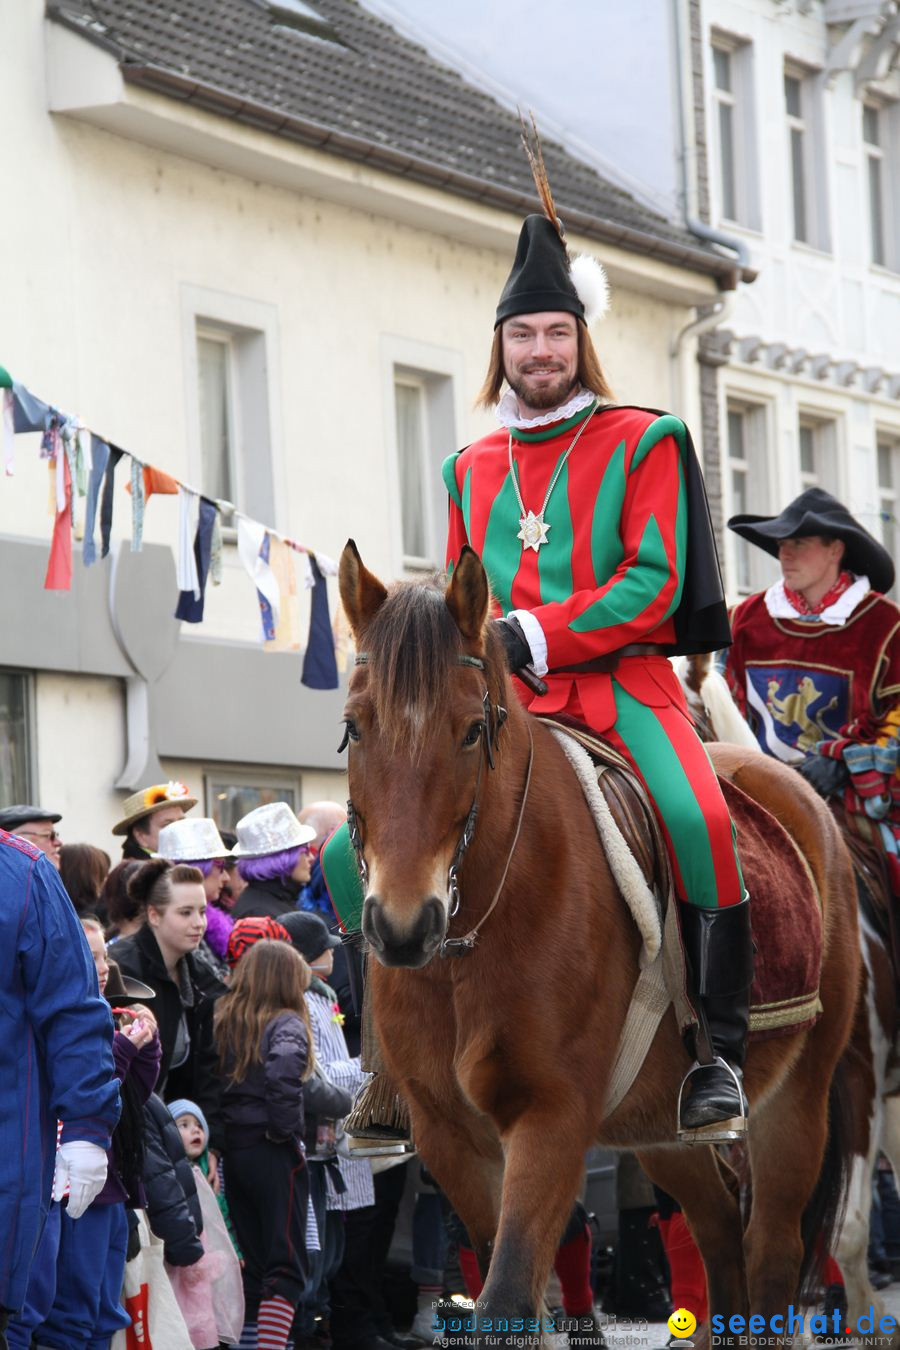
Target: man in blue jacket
56,1063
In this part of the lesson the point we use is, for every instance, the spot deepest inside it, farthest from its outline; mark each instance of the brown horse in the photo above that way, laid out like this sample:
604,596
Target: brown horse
503,1052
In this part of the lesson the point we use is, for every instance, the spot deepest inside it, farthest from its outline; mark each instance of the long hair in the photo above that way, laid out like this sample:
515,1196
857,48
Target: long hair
83,870
270,867
589,373
271,978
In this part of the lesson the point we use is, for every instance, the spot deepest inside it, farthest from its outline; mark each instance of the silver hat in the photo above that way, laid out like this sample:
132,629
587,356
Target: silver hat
270,829
194,839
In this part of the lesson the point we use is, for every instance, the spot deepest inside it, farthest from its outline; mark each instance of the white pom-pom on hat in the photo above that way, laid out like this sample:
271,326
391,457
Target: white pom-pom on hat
589,280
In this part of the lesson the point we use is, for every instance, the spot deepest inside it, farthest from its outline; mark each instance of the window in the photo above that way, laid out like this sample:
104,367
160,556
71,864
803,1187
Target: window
15,738
724,98
798,152
817,442
424,421
748,483
888,452
412,454
231,364
873,139
217,415
733,130
227,801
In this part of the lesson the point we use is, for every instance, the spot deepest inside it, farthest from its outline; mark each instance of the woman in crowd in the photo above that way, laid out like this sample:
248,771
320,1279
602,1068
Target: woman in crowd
123,915
172,904
83,870
197,843
274,859
265,1046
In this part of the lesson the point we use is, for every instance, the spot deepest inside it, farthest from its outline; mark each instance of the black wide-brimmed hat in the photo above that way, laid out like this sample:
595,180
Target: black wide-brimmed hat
817,512
125,988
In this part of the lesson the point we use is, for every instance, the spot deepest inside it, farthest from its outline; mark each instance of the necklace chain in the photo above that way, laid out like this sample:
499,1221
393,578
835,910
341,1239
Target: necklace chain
527,540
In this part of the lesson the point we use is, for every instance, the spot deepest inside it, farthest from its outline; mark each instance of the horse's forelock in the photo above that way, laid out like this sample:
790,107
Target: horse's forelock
412,645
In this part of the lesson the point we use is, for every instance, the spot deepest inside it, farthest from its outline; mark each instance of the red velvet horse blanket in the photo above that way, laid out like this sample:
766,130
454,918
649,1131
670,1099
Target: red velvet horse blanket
786,918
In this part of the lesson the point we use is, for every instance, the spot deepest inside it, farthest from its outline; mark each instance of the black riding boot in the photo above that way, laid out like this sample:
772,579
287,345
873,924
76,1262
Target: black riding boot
719,949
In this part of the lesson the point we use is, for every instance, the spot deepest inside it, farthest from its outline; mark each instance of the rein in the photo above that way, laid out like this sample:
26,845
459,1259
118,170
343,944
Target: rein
493,720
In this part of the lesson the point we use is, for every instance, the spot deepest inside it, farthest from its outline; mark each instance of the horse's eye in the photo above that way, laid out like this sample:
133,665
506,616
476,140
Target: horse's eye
351,733
473,734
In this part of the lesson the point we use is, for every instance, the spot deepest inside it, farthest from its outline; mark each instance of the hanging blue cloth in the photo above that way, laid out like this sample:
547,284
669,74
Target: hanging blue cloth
319,663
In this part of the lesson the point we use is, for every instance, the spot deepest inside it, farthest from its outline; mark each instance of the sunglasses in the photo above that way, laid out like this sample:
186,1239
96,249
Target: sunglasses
40,834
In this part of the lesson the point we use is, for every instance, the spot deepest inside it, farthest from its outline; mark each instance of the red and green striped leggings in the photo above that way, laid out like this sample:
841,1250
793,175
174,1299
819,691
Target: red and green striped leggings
670,758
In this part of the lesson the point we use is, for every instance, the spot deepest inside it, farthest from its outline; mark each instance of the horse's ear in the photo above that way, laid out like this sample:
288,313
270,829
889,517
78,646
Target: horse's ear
468,595
362,594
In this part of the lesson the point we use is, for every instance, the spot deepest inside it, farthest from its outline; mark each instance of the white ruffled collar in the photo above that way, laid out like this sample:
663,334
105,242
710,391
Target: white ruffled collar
780,607
508,411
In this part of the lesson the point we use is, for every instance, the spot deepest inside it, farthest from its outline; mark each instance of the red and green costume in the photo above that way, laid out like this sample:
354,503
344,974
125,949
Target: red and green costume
617,569
808,686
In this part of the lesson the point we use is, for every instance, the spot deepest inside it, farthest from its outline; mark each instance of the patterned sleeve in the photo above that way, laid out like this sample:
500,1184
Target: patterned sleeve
645,588
456,525
870,746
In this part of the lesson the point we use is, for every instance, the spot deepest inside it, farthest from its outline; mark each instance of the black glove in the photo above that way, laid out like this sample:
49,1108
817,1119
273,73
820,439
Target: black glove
827,776
518,652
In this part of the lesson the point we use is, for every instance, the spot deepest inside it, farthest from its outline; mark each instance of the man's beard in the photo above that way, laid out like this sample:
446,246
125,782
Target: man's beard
543,396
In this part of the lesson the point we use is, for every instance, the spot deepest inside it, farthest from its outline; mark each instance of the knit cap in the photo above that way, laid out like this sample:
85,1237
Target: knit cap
183,1107
254,928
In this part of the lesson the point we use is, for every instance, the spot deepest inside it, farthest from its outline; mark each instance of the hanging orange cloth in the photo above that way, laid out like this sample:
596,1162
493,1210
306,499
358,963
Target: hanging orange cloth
287,628
156,480
59,565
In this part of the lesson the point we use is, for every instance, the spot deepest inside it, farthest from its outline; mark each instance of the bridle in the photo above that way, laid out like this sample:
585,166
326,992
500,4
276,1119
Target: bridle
494,716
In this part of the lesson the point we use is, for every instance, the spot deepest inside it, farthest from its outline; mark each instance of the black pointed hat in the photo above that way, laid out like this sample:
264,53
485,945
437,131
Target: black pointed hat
540,279
817,512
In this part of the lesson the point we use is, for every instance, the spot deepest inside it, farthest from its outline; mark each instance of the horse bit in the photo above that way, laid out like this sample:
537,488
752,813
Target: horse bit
493,718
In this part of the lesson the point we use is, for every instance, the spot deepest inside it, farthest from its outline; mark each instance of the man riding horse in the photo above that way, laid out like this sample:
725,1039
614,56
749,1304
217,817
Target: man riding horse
815,665
593,526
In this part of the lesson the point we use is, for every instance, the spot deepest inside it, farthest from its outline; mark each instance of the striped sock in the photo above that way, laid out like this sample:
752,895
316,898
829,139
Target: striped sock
276,1316
248,1337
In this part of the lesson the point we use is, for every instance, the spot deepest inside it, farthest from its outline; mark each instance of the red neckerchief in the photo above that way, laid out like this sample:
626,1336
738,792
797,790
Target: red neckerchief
795,598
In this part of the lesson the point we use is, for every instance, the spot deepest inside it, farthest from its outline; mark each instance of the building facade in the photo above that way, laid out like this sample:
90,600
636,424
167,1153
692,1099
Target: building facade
231,254
803,130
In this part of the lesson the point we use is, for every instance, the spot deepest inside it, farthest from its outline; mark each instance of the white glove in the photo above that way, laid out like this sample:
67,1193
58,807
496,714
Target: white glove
81,1167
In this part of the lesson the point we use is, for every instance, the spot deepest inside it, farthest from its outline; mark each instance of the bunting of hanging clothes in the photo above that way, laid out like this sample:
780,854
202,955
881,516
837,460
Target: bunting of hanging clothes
319,663
193,592
281,559
252,539
59,564
83,465
9,431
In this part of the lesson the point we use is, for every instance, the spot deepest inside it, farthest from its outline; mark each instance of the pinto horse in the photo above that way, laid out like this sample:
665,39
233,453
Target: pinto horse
504,1049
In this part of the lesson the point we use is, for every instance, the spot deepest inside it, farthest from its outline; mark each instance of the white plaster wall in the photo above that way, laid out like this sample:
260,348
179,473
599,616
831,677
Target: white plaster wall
80,749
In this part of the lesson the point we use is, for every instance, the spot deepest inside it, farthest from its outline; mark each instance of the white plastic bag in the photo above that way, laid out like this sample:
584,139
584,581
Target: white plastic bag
227,1284
156,1321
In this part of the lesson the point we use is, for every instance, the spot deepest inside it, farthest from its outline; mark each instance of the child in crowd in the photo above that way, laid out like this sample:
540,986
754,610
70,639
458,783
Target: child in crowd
266,1053
195,1136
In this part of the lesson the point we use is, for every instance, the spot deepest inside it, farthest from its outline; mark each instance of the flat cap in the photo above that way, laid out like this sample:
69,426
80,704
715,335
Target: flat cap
13,817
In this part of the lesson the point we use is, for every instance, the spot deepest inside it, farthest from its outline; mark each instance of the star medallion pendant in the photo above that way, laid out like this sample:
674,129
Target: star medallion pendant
534,530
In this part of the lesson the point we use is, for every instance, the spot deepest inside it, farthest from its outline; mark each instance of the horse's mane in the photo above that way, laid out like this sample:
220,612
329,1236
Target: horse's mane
412,645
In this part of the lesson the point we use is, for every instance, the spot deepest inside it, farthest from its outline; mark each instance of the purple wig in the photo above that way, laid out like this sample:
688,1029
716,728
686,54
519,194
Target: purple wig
205,865
272,866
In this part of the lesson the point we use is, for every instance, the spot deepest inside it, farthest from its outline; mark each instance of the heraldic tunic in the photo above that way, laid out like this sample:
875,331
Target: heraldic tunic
807,686
611,574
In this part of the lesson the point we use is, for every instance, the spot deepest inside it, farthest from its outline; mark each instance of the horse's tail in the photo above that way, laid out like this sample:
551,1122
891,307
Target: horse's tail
824,1211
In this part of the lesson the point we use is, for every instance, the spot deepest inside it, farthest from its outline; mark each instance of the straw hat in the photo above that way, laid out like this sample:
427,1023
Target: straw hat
195,840
149,799
270,829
